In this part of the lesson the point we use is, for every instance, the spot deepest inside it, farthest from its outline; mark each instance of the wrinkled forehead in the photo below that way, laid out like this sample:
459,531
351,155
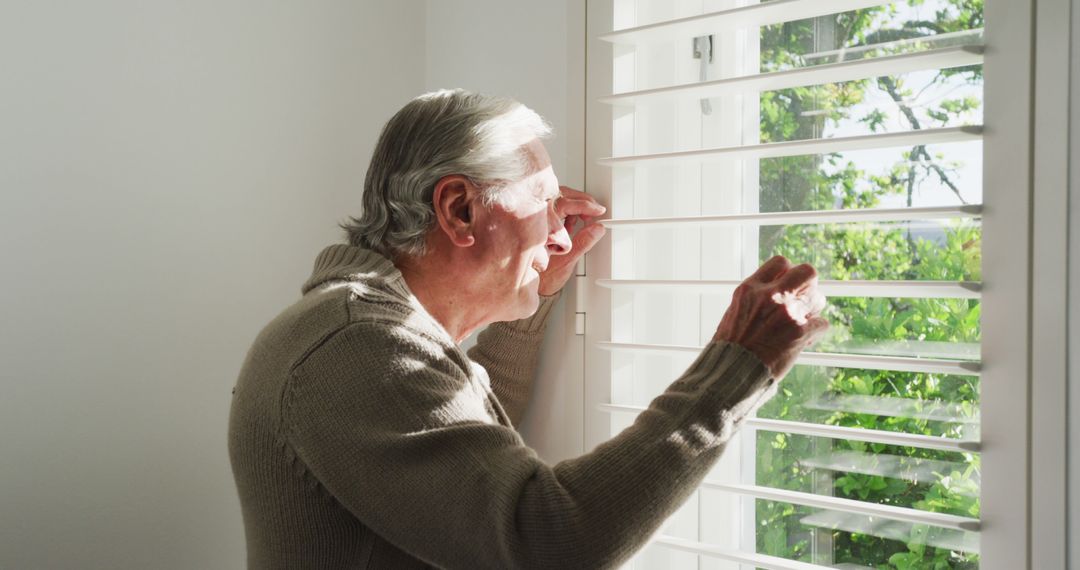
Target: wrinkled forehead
537,155
541,177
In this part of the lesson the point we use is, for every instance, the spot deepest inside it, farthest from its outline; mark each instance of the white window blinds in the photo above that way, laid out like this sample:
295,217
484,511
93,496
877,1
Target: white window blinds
847,134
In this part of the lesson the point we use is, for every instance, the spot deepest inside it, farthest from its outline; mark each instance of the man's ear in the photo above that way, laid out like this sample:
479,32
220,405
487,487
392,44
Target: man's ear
454,199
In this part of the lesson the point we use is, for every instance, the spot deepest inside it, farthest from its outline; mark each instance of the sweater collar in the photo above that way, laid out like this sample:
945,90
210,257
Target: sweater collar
342,262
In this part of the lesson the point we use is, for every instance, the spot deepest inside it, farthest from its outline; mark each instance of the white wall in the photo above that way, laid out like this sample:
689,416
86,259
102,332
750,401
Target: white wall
1073,349
533,52
515,48
168,170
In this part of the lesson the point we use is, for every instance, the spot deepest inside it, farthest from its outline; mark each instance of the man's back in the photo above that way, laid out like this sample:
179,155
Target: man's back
291,519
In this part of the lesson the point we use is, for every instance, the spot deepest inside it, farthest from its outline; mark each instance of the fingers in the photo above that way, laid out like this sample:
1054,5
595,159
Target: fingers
581,242
815,329
585,239
561,267
798,278
771,269
817,325
567,207
816,299
575,203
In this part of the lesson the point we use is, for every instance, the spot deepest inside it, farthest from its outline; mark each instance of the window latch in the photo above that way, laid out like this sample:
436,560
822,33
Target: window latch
703,50
580,300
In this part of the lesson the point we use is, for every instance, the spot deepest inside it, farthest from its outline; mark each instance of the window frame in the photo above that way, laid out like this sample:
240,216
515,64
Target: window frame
1054,72
1024,327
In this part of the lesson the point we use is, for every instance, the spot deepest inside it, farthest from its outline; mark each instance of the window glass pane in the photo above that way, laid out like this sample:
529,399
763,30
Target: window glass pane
900,27
932,250
916,250
940,405
902,103
931,404
859,541
931,175
918,328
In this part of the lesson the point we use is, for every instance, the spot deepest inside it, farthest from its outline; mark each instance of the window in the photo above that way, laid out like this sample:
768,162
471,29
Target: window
845,133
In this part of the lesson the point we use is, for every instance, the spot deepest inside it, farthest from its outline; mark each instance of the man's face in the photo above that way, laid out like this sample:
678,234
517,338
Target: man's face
517,236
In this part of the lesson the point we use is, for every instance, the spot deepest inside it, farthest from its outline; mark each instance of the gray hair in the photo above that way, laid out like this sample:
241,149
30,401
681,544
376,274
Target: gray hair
436,135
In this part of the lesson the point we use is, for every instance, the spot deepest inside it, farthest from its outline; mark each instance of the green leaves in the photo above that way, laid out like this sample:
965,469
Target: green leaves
865,486
954,110
776,540
874,119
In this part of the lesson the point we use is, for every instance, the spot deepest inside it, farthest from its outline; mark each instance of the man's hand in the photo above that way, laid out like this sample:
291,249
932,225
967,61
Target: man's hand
775,314
574,206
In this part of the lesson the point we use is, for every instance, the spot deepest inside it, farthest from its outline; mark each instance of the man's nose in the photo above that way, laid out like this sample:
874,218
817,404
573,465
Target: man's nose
559,241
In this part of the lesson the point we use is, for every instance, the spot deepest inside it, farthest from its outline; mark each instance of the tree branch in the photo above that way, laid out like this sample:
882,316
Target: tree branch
919,150
942,175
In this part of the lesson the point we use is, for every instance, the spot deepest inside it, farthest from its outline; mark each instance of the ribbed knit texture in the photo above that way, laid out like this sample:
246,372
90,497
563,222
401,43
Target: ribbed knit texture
361,436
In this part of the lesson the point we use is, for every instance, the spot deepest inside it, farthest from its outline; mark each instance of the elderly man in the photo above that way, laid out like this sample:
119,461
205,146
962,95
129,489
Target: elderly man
362,436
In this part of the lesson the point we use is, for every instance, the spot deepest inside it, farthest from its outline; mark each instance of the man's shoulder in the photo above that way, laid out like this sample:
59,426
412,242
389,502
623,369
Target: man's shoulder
375,327
305,323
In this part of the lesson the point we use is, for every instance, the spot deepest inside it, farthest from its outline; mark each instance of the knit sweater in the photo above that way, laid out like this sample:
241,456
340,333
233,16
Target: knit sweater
361,436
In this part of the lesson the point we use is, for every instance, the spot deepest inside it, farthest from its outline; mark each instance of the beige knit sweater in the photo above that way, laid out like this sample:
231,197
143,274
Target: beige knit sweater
361,436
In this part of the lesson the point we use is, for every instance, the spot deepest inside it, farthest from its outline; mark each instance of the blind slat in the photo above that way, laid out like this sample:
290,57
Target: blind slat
835,360
945,58
894,363
879,289
866,435
852,506
804,147
838,432
757,560
913,469
805,217
894,407
754,15
903,532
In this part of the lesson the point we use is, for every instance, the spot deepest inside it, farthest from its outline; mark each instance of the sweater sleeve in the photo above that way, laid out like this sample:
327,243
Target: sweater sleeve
509,352
389,423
